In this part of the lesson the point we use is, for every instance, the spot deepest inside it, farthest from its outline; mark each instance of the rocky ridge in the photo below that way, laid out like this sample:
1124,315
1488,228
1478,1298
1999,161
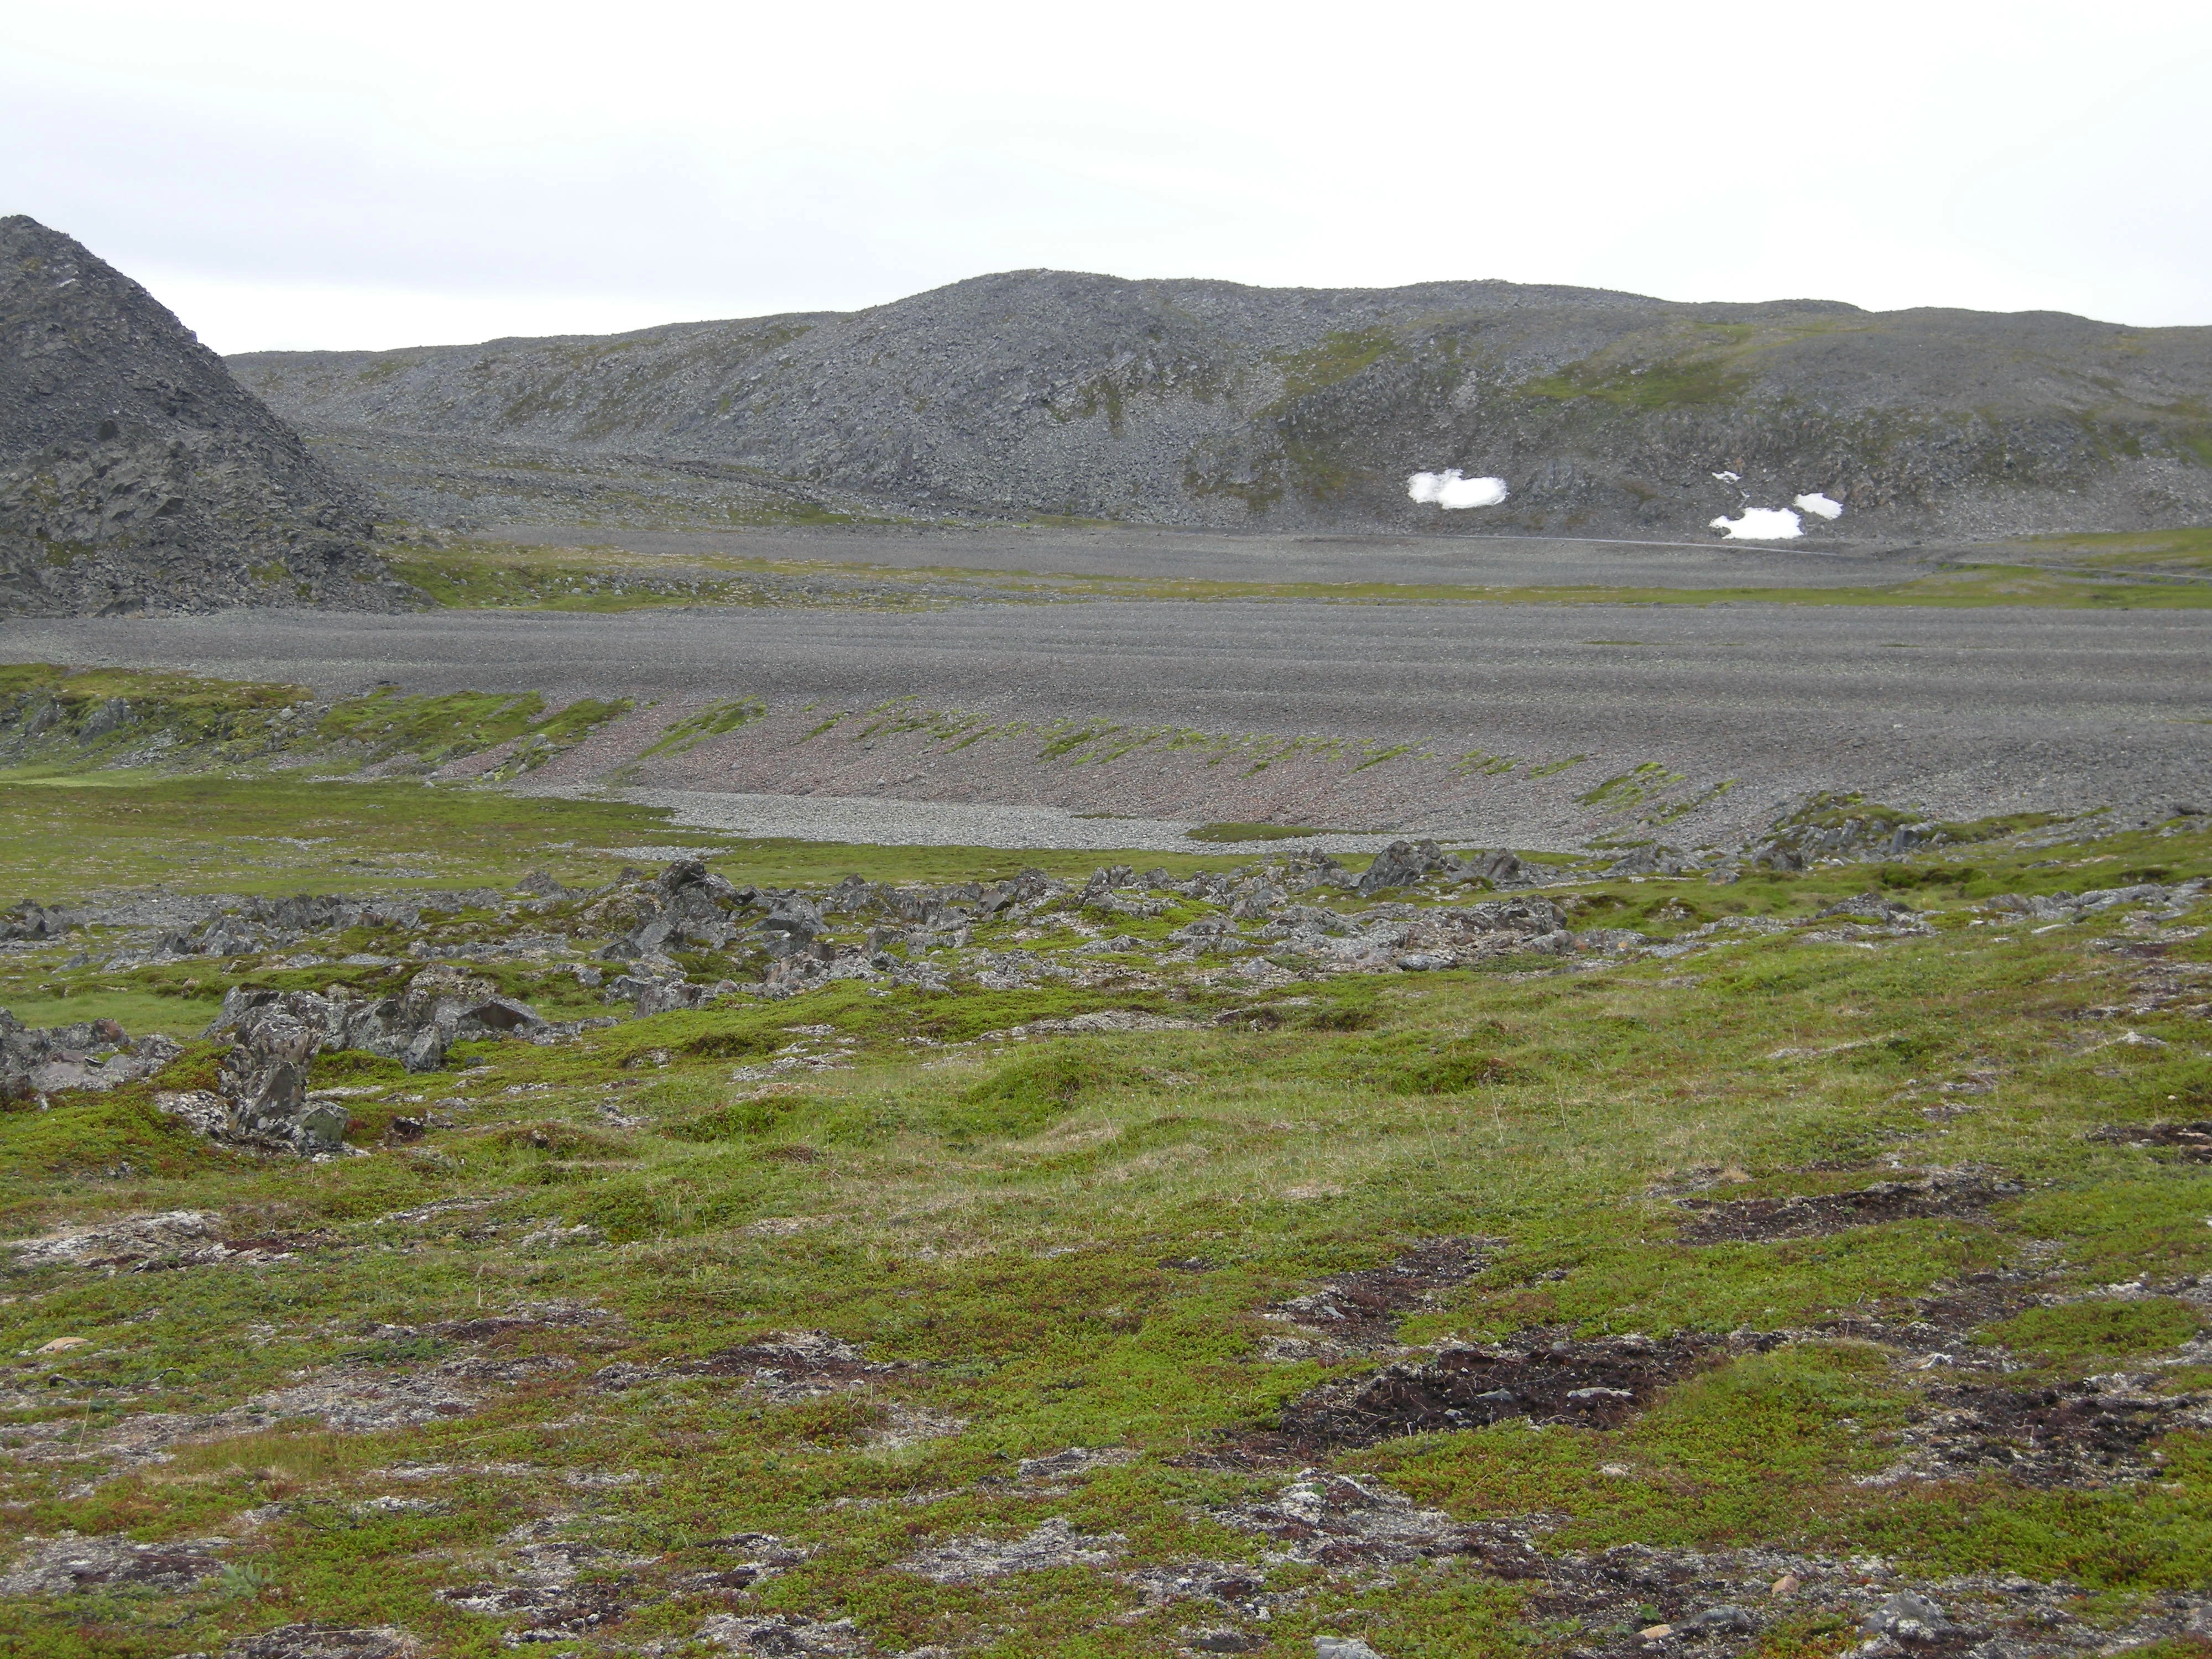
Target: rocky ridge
136,474
1209,404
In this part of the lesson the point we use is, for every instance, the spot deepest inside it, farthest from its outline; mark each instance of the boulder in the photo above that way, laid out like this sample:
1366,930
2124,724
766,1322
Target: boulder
1908,1616
1403,863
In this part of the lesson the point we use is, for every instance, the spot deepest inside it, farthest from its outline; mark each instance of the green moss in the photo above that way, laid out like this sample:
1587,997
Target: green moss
1033,1091
1338,358
715,721
1677,384
2091,1334
1218,832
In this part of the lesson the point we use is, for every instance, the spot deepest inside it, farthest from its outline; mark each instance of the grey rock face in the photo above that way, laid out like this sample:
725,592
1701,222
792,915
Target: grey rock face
1204,402
264,1077
136,474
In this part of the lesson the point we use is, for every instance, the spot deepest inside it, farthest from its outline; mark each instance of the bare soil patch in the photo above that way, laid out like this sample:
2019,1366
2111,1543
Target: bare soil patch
2087,1433
2192,1141
1757,1220
1597,1384
1360,1309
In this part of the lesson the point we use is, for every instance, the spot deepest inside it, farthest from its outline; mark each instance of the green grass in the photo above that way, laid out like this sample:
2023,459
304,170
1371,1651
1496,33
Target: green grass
1076,1241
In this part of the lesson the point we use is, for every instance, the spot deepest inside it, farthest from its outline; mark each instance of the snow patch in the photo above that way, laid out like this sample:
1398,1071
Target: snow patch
1761,524
1451,492
1728,477
1820,504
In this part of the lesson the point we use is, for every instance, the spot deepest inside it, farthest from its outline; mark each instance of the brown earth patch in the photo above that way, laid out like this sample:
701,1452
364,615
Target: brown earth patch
2073,1434
1757,1220
1598,1383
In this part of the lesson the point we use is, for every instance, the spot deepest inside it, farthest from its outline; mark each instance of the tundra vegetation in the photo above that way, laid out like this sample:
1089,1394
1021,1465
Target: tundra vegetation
936,1250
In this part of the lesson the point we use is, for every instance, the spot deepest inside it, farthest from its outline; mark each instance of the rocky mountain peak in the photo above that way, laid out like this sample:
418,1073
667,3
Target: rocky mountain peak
136,473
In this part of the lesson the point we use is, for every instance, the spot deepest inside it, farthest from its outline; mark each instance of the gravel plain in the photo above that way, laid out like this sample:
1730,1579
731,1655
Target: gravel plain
1962,712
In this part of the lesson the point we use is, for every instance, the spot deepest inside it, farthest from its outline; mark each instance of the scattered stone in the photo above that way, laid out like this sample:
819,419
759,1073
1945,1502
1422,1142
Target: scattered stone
1224,1641
68,1564
2192,1141
326,1642
1908,1616
2082,1434
1732,1621
1076,1460
93,1054
1342,1647
784,1366
1055,1543
172,1238
761,1556
1338,1520
541,1595
1233,1584
781,1633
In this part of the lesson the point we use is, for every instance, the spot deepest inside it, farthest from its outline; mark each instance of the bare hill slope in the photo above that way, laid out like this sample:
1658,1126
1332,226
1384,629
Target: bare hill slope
1203,403
136,472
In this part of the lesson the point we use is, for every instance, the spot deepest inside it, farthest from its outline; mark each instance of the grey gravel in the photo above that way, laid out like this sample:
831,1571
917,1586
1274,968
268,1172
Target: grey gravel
1957,712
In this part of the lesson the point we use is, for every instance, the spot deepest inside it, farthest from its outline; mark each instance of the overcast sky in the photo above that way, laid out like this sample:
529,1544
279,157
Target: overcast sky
402,173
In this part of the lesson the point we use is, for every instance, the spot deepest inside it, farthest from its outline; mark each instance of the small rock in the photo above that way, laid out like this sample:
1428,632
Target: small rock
1735,1620
1655,1632
1908,1616
1342,1647
1788,1584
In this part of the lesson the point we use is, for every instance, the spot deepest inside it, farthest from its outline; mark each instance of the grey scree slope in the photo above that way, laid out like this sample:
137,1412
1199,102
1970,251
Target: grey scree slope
136,473
1207,404
1961,712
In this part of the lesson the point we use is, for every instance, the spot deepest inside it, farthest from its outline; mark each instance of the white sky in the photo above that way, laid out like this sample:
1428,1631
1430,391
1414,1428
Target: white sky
297,176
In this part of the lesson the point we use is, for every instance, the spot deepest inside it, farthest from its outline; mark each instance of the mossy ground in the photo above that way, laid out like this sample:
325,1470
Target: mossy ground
1074,1242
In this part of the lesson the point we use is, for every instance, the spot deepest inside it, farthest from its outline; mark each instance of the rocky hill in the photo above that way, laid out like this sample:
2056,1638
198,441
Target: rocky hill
136,473
1203,403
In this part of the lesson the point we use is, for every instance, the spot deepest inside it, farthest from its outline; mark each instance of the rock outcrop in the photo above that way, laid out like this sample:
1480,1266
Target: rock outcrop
94,1053
1209,404
136,475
